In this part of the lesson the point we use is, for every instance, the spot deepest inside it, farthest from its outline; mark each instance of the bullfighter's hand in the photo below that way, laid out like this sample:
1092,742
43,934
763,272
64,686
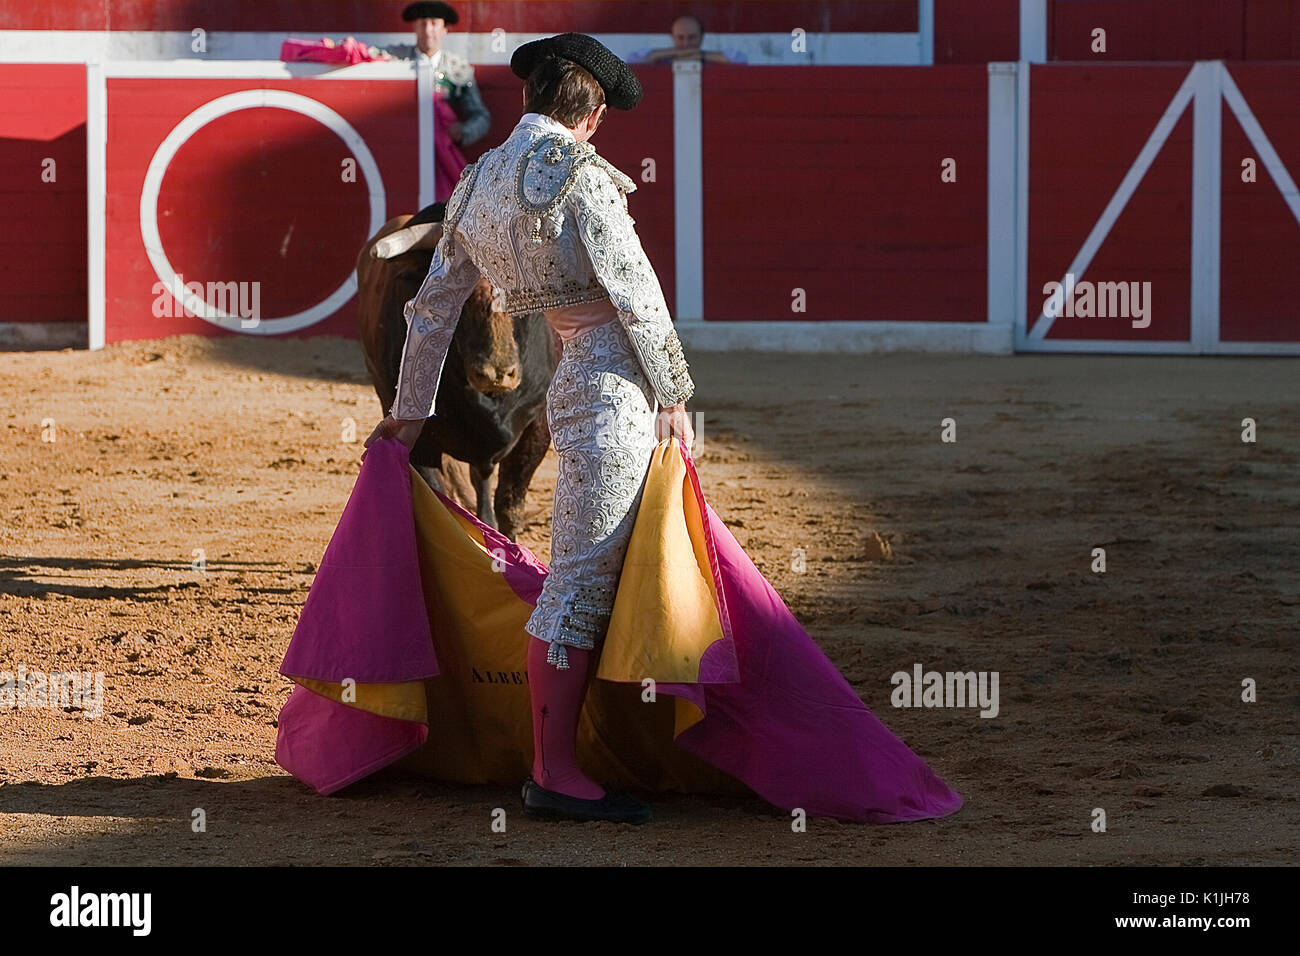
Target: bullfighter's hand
456,131
674,422
404,430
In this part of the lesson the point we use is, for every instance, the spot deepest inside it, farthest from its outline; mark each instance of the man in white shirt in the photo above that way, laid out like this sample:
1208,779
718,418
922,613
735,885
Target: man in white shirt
688,39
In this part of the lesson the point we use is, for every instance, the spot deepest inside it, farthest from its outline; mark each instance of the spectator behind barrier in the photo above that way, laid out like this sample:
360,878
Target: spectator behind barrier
688,35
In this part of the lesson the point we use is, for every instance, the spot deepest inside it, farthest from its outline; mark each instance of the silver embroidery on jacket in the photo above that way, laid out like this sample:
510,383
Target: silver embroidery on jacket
431,319
545,219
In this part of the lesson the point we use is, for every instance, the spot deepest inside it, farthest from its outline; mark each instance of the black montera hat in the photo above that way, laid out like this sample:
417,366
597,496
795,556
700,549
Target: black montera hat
622,88
427,9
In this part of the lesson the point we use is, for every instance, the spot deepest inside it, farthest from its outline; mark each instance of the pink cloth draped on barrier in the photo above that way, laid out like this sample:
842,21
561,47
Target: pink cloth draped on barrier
450,161
776,713
296,50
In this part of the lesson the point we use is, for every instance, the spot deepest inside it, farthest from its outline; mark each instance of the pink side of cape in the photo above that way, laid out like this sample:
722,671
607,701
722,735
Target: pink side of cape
792,728
328,745
449,161
365,617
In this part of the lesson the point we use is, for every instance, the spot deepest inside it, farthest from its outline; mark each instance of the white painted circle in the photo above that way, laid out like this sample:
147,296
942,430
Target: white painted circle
205,114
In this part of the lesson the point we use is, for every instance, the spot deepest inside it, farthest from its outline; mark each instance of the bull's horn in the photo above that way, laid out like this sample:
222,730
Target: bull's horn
423,236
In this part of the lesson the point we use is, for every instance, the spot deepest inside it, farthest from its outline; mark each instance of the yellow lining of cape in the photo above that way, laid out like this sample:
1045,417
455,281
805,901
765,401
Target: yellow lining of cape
478,711
404,701
666,610
665,613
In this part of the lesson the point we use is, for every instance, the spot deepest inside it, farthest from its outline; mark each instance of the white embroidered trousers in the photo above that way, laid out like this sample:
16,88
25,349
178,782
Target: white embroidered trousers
601,409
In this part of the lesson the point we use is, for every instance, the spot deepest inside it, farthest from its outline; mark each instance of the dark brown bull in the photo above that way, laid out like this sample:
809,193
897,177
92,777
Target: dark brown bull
491,403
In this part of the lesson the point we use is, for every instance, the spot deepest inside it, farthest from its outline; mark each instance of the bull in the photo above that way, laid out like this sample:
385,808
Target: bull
491,399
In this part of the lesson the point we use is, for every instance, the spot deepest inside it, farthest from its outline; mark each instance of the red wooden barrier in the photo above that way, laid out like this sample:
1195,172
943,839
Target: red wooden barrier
1175,29
513,16
827,179
966,32
256,195
1086,128
1261,237
43,252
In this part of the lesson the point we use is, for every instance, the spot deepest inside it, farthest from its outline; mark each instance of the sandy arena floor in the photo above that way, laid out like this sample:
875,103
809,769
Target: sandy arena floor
1118,690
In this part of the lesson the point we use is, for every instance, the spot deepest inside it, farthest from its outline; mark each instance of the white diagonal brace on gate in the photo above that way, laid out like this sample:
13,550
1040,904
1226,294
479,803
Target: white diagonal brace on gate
1255,133
1155,142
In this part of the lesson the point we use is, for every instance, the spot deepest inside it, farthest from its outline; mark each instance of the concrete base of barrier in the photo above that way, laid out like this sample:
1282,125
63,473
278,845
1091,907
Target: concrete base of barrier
20,336
972,337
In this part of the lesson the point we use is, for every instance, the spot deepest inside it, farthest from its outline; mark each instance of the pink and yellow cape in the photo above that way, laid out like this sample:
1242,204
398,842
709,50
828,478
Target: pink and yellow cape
410,650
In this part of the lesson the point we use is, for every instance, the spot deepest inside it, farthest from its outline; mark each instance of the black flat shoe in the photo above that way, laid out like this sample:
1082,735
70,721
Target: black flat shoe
615,806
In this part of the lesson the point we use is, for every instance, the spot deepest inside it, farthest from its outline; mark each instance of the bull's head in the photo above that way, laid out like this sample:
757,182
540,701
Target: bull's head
489,345
485,335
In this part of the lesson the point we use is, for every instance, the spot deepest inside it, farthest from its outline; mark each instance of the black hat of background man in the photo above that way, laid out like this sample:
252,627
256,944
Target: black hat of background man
622,88
427,9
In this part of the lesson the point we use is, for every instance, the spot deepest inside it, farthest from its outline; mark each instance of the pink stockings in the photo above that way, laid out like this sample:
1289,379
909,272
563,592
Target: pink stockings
557,701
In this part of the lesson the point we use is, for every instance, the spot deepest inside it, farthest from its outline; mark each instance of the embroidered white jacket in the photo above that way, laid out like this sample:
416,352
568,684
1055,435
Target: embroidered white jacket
544,218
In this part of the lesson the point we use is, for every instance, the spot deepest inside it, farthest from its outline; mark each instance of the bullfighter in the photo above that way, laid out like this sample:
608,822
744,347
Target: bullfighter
545,219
